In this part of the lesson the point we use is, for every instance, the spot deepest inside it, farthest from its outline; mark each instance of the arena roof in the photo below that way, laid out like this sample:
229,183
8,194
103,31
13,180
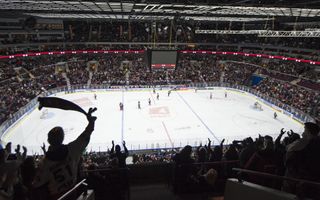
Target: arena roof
248,10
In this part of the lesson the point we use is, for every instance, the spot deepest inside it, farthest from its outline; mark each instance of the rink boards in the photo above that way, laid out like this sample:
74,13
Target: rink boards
186,117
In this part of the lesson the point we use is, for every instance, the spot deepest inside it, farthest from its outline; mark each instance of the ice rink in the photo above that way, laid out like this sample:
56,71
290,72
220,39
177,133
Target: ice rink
185,117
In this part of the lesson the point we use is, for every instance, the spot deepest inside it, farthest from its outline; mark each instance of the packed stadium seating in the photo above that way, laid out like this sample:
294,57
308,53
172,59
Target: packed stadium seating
191,69
31,76
192,170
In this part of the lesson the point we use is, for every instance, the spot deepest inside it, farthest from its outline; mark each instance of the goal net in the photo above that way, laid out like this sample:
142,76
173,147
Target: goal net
257,106
44,114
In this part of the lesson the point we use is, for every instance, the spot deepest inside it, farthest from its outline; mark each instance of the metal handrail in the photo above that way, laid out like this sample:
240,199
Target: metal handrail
106,170
126,168
212,163
267,175
72,189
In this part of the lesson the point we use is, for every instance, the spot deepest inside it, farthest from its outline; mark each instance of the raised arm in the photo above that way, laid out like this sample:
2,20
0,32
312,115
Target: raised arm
43,147
125,148
8,150
209,145
221,144
21,157
112,148
277,141
83,140
91,121
24,154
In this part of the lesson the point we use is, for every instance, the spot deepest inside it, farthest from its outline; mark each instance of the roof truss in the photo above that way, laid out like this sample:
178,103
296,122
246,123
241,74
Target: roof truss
104,7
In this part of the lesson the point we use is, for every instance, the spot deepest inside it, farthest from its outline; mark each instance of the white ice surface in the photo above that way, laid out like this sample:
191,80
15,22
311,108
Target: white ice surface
183,118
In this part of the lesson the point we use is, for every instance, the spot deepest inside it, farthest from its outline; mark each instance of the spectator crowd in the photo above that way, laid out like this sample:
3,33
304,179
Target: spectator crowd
22,79
195,169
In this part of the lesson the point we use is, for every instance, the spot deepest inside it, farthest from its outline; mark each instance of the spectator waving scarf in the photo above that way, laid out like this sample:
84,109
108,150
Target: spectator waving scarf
55,102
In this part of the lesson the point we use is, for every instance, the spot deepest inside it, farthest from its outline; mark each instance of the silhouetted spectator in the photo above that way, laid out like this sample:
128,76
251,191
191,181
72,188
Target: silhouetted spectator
247,151
231,155
58,171
121,156
9,171
302,159
184,169
264,160
28,171
216,154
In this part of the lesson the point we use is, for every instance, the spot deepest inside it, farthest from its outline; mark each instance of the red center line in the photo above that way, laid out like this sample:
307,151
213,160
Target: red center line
165,128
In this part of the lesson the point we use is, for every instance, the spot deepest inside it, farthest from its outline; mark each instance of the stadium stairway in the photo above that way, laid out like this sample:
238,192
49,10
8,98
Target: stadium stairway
127,76
202,79
64,75
22,73
295,81
90,78
222,77
167,78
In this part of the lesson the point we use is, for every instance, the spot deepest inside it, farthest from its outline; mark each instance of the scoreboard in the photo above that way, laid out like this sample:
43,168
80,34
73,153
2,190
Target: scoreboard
164,59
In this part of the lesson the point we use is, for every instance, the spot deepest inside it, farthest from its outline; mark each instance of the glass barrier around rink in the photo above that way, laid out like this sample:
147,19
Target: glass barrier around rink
296,114
106,146
146,145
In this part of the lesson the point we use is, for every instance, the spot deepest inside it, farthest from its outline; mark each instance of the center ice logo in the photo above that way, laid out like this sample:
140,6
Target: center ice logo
162,111
85,102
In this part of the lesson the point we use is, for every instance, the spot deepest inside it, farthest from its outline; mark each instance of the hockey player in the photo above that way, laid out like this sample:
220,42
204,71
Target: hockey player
225,94
275,115
154,90
149,102
121,105
157,96
210,95
95,96
139,106
169,92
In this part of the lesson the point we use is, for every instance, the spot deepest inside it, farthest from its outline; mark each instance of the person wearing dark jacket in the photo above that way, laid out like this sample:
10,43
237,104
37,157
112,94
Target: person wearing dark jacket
264,160
184,170
302,162
247,151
